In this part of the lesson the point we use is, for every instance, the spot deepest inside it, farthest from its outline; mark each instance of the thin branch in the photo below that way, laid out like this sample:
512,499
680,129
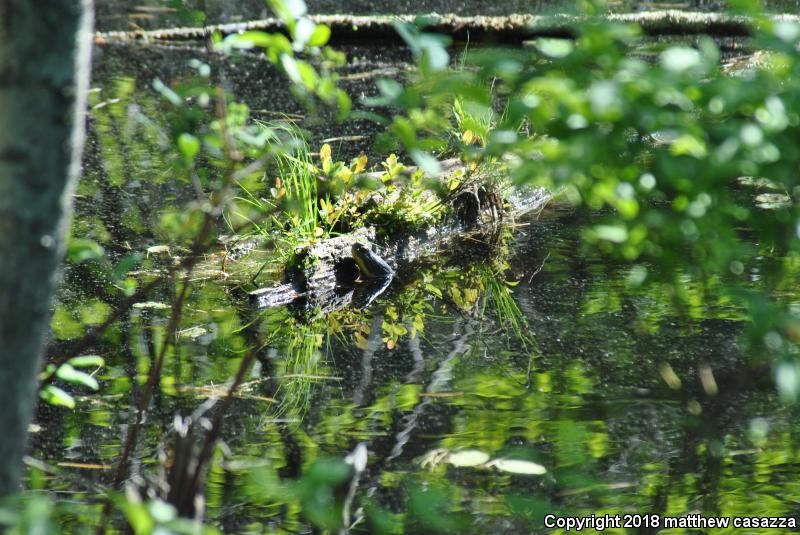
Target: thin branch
144,400
217,205
152,379
204,457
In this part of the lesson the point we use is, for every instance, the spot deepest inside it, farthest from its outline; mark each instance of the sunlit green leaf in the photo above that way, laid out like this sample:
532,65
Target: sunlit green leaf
468,458
616,234
162,511
320,35
87,361
555,48
69,374
189,146
680,58
516,466
82,249
427,163
303,30
55,396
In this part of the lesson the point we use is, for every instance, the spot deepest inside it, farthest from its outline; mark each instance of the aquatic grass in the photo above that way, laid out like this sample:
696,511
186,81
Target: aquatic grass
300,182
304,211
284,138
297,347
259,204
288,206
301,368
498,294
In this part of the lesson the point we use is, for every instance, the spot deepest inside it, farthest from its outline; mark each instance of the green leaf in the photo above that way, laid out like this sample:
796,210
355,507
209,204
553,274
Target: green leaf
319,36
787,31
787,378
167,93
87,361
689,145
297,8
55,396
189,146
437,57
138,517
308,75
94,312
467,458
410,34
126,264
303,31
516,466
162,511
71,375
555,48
289,65
434,290
612,233
344,104
390,89
426,162
248,40
64,325
680,58
47,372
82,249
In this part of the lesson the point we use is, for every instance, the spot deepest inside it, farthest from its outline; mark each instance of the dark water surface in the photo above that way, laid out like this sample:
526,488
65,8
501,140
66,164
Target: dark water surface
582,391
542,382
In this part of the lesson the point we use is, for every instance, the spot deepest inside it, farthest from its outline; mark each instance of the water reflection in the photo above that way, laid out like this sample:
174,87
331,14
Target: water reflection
605,387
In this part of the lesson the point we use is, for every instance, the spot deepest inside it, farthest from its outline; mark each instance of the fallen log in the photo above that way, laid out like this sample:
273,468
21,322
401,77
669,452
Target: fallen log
324,275
514,28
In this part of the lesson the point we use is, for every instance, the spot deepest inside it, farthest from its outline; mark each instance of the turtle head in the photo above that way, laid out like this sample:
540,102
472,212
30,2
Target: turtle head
362,255
370,264
359,249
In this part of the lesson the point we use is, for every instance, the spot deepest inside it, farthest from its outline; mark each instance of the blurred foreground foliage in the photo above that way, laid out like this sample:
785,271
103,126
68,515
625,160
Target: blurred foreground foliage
688,163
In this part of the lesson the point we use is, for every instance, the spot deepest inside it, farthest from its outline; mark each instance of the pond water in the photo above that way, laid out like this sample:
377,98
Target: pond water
540,380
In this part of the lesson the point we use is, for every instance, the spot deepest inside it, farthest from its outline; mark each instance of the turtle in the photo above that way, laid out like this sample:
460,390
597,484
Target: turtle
375,272
370,265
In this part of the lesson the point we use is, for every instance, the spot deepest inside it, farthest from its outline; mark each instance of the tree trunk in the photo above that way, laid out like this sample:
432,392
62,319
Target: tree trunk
44,73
